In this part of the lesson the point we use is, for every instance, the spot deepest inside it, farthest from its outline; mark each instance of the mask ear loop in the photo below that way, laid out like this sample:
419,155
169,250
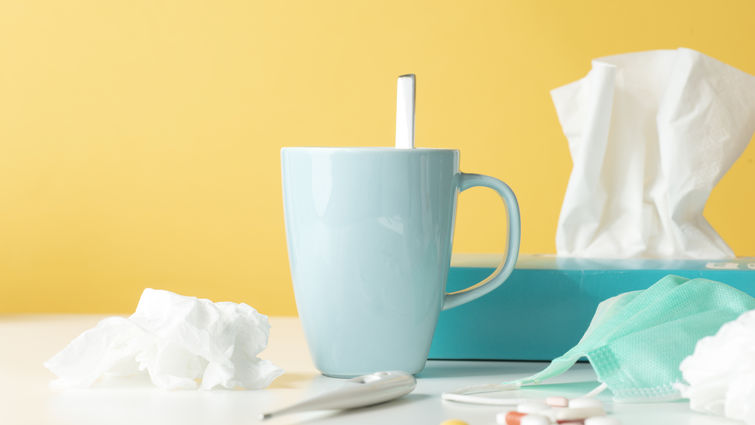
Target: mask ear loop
597,390
466,394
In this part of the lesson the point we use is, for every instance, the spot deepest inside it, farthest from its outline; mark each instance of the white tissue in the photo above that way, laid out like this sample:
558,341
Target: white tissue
650,135
721,371
181,342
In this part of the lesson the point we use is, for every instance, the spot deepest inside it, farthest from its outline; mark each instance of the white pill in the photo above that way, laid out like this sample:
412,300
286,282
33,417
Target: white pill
500,418
535,419
557,401
572,413
585,402
602,420
533,406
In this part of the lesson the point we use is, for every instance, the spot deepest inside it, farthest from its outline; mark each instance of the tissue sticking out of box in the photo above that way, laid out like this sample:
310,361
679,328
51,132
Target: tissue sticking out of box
181,342
650,135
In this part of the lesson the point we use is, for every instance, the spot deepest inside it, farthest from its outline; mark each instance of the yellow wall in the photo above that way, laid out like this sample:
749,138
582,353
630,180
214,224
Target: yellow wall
139,139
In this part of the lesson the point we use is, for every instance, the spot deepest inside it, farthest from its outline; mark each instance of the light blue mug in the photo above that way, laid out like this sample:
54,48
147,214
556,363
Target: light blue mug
369,242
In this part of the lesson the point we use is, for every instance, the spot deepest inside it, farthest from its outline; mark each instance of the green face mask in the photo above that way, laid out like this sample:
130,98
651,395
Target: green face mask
637,340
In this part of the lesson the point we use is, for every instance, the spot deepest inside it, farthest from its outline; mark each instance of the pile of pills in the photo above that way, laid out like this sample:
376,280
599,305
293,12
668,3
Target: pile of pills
560,410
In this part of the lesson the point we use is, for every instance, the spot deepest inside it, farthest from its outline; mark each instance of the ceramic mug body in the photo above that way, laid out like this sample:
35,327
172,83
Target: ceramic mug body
369,234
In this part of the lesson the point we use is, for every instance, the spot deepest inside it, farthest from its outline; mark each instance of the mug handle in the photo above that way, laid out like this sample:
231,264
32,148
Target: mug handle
455,299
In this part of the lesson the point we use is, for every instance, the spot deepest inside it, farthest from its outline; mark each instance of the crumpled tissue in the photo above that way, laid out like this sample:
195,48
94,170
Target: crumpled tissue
650,135
720,373
181,342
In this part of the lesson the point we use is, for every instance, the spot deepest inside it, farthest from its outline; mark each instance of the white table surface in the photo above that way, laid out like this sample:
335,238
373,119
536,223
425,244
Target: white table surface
25,398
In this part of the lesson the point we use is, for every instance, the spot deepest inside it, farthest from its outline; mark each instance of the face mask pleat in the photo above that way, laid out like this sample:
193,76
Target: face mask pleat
636,340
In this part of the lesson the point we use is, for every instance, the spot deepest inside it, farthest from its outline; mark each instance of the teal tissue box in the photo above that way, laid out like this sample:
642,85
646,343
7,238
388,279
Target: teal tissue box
546,304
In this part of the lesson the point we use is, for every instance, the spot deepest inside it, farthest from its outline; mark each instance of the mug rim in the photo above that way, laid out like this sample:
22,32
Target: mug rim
386,149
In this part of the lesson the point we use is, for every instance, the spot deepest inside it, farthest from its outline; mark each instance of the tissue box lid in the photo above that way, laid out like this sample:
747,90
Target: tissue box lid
554,262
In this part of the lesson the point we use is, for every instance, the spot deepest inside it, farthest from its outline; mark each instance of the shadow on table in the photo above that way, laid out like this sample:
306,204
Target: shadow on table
352,414
458,369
